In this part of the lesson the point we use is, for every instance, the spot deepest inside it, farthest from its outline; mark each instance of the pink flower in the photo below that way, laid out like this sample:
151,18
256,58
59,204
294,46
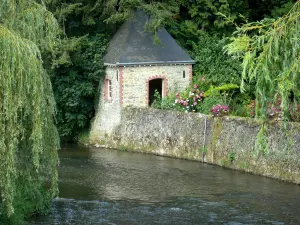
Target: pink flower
219,110
185,103
195,85
195,103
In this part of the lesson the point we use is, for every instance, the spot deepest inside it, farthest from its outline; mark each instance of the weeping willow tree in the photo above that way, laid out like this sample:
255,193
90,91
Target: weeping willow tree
28,137
270,51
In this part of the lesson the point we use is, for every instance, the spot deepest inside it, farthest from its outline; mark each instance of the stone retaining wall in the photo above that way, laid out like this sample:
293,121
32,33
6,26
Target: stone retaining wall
228,142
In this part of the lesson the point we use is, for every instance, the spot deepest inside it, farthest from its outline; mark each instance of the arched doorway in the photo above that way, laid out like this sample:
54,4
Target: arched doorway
155,85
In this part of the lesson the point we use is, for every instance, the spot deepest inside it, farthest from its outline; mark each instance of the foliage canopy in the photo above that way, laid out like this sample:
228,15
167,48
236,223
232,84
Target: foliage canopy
76,87
28,137
270,53
199,26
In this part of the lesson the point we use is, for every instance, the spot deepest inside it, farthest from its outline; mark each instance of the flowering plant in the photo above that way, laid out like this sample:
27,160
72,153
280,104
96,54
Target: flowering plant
190,99
273,109
275,112
219,110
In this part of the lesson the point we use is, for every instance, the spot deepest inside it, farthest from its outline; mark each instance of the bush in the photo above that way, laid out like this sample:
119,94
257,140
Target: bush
212,62
201,96
190,99
76,87
165,103
209,102
219,110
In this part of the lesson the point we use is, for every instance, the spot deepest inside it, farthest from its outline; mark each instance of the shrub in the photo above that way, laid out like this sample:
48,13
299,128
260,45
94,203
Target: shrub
219,110
210,60
201,96
75,87
209,102
165,103
190,99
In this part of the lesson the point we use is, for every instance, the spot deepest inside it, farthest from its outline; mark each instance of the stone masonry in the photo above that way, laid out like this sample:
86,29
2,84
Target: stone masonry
136,82
108,110
130,87
133,61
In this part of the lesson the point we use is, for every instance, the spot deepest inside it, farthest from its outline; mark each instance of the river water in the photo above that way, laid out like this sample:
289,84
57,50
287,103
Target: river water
101,186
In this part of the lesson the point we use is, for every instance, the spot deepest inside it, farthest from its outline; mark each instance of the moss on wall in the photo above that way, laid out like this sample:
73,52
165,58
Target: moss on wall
230,141
215,137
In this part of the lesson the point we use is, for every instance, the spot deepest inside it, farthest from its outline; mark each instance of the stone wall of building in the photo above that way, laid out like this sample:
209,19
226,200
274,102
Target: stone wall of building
136,79
108,112
228,142
130,88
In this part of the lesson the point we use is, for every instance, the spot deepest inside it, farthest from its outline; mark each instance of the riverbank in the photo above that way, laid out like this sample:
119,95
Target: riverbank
105,186
244,144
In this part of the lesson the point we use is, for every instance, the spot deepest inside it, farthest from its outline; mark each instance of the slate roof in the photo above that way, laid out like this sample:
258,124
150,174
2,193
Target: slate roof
131,45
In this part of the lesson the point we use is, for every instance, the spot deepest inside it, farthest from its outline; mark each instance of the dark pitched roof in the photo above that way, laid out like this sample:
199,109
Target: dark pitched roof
131,45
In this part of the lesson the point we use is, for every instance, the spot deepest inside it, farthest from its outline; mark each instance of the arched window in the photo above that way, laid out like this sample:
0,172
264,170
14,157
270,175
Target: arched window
107,89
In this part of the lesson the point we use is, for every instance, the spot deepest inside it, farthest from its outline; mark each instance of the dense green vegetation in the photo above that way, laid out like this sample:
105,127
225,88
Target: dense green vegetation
59,55
202,27
28,137
79,70
76,86
270,53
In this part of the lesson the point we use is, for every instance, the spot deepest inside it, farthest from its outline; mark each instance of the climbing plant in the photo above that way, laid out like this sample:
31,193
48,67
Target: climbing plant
28,137
270,53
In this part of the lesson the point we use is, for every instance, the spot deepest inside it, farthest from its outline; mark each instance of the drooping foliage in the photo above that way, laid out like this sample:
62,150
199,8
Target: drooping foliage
270,52
28,137
207,14
28,42
196,25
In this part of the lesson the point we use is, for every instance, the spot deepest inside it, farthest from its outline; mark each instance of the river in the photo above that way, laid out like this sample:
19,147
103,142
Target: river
104,186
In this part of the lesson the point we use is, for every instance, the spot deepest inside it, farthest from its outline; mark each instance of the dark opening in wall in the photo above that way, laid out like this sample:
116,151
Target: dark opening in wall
155,84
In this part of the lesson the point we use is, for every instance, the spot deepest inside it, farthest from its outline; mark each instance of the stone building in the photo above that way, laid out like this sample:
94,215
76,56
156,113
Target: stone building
135,68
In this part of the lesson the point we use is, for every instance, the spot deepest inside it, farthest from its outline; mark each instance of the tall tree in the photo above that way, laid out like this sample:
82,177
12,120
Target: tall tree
88,25
80,68
28,137
270,52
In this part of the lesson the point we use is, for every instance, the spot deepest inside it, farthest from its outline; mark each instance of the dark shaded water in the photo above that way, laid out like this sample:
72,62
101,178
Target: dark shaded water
100,186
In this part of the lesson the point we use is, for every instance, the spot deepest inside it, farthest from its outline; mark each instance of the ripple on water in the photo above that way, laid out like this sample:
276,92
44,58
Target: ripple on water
101,186
179,211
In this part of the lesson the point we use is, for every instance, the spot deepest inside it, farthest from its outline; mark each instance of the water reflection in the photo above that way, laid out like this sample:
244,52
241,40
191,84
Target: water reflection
100,186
